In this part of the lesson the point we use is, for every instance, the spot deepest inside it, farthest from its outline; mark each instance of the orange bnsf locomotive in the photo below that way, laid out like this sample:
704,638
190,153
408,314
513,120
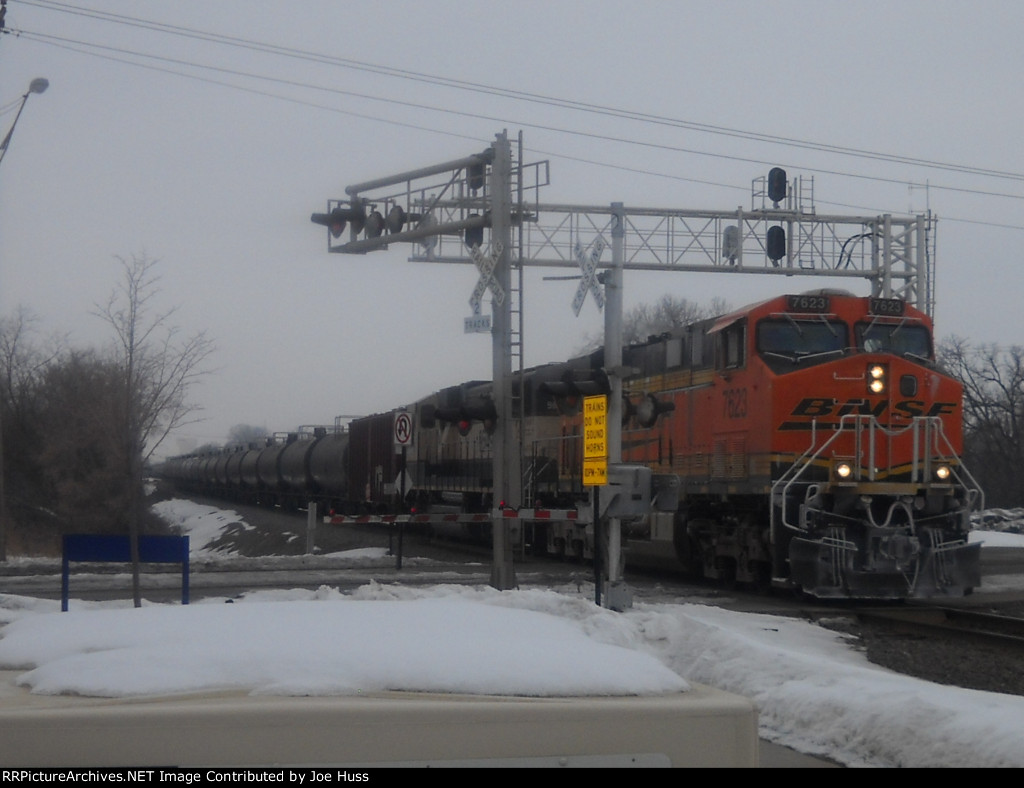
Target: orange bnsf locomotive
817,446
808,441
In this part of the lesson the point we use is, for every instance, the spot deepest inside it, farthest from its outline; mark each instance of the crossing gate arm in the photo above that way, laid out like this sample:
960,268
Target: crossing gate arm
425,519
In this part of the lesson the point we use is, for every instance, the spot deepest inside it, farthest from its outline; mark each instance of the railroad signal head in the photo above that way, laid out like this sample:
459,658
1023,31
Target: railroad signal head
574,385
395,220
475,176
650,408
465,415
337,219
775,244
777,187
360,216
374,224
474,235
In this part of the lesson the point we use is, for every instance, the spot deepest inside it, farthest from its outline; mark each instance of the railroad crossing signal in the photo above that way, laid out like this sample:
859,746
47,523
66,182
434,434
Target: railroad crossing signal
588,265
486,264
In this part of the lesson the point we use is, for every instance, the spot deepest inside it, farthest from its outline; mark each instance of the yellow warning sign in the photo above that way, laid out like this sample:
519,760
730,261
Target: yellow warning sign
595,440
595,472
595,433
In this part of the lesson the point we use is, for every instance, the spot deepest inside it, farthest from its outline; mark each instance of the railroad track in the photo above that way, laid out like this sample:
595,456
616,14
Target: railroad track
1006,630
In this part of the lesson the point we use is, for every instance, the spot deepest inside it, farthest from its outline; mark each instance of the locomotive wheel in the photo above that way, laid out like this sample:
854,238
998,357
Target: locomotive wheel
762,577
687,551
726,568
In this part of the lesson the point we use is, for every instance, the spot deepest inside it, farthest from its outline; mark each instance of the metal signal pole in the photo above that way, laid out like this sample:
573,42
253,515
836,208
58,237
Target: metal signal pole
507,485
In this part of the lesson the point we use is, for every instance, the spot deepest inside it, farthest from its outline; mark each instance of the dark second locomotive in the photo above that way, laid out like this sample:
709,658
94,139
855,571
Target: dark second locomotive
811,441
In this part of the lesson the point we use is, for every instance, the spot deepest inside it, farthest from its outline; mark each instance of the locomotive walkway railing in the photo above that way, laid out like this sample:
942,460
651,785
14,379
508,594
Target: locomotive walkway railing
930,446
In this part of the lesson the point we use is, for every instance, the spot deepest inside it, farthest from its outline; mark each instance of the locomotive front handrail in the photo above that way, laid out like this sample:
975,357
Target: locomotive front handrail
930,443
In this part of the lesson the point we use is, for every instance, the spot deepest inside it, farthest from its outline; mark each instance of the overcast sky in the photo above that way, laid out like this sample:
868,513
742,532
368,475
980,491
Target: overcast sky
156,140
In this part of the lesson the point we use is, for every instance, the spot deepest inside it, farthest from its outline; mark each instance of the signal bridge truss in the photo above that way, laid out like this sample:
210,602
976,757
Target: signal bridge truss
443,211
896,253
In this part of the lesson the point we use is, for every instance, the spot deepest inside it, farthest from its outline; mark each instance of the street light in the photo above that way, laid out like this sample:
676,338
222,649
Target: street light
37,85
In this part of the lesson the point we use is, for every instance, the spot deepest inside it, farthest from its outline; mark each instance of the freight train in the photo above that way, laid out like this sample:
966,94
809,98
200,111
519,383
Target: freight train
811,439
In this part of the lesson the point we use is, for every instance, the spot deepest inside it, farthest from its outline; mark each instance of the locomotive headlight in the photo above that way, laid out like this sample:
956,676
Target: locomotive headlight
943,472
844,470
877,374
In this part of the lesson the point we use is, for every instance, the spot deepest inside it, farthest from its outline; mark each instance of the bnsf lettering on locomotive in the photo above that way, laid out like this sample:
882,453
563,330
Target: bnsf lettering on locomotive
910,407
815,407
862,407
735,403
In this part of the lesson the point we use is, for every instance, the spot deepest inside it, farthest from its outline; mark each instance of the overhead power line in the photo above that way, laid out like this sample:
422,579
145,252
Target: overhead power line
123,55
517,94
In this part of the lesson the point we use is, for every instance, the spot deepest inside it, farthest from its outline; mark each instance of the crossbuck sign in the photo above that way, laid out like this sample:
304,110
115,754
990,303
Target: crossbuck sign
486,263
588,265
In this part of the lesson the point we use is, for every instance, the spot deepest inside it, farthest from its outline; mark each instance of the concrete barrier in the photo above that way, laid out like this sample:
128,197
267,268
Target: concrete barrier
700,728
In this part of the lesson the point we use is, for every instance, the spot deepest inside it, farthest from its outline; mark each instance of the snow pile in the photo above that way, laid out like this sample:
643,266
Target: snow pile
999,520
815,691
328,646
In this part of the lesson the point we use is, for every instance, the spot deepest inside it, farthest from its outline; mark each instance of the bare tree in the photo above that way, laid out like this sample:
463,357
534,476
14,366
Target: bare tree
670,312
158,366
78,448
993,381
23,363
244,434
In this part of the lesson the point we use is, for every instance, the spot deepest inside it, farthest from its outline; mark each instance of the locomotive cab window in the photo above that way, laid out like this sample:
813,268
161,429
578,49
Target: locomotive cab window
787,340
901,339
732,346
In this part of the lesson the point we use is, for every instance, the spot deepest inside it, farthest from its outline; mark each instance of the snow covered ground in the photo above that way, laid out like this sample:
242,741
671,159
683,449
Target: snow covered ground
816,693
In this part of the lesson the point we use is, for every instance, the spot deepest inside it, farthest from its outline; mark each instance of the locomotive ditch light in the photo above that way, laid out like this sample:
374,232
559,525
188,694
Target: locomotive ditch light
843,471
877,374
943,473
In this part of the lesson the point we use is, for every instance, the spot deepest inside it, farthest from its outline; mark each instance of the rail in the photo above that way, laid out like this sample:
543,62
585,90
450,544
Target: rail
1000,628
